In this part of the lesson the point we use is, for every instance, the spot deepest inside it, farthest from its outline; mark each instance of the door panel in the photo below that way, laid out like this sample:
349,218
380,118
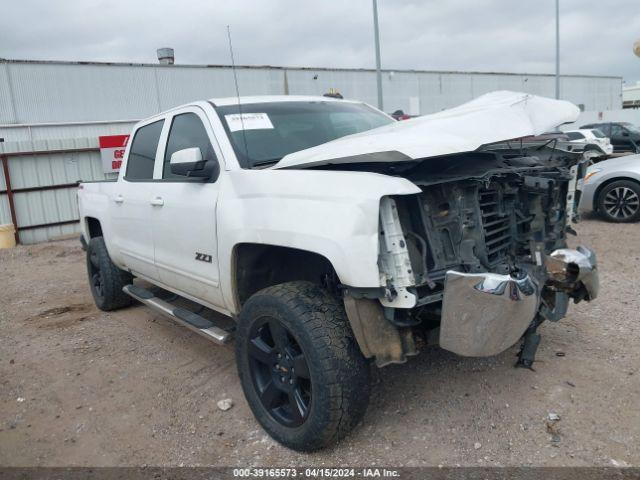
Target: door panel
132,227
131,208
184,226
620,142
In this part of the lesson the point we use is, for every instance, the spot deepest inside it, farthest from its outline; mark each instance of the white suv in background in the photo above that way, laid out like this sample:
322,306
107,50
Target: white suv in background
591,136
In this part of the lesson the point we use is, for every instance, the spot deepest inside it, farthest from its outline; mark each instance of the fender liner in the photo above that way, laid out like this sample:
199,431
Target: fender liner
376,336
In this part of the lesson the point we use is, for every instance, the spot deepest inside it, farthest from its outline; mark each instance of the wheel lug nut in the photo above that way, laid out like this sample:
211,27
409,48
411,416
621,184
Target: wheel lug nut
291,382
282,379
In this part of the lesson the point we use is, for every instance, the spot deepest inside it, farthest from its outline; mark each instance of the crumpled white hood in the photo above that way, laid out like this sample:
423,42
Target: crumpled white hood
491,118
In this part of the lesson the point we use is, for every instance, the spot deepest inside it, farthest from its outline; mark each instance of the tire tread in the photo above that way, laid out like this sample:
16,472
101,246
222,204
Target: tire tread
113,278
344,368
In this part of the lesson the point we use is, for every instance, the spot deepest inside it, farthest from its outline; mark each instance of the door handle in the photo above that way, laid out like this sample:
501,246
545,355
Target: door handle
157,202
118,199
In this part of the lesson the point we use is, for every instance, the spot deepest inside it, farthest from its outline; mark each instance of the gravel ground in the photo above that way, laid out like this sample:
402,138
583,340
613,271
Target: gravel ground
87,388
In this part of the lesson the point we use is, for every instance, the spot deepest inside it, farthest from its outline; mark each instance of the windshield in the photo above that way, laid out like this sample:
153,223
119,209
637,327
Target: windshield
597,133
631,127
265,132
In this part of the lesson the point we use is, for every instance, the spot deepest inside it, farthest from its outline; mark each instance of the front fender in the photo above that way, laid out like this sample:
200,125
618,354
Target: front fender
331,213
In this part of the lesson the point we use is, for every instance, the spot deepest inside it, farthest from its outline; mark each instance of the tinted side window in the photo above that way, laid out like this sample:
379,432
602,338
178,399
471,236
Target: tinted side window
575,136
616,130
187,131
142,154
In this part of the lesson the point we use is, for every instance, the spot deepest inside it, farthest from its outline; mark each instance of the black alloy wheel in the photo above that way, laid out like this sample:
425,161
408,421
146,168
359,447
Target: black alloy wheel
280,372
300,367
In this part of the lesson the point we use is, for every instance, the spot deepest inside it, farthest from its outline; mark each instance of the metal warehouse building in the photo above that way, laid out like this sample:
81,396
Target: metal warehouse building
51,114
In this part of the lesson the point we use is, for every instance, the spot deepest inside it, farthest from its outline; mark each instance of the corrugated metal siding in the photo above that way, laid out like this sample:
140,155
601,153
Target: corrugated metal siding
7,113
45,234
437,91
84,101
53,132
631,93
52,92
176,86
42,170
71,92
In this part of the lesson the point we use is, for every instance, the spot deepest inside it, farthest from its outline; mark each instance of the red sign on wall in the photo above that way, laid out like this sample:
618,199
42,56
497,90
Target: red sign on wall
112,149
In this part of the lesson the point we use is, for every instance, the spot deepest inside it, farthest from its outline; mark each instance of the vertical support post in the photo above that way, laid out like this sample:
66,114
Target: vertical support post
12,207
558,49
286,82
376,34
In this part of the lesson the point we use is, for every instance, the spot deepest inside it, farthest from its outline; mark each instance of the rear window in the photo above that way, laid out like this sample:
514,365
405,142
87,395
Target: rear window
142,155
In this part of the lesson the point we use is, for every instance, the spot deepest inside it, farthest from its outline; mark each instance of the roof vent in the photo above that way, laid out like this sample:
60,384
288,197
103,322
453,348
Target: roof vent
165,56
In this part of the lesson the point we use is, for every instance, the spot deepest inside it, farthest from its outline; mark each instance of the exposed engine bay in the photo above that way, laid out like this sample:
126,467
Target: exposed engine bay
502,218
479,258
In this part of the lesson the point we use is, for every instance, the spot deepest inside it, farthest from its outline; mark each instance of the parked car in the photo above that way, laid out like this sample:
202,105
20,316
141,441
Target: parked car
612,189
558,140
597,144
331,234
400,115
624,136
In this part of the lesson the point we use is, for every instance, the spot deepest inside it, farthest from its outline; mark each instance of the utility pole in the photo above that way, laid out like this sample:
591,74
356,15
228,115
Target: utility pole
376,34
557,49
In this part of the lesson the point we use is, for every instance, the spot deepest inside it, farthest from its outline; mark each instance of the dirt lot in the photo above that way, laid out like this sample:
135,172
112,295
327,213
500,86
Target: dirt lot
82,387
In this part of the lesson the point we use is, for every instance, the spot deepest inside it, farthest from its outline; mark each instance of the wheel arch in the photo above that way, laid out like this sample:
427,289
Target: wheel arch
594,146
256,266
93,228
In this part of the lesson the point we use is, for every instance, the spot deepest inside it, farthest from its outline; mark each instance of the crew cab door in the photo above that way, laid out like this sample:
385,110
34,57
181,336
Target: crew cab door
131,200
184,217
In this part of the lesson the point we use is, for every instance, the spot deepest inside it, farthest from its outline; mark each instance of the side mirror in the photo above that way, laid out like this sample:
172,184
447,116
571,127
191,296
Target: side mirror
189,163
625,133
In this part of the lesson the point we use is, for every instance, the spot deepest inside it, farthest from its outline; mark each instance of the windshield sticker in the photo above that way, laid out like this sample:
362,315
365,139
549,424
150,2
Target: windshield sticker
248,121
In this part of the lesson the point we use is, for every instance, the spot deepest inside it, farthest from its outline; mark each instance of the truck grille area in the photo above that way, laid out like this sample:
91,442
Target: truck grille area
497,225
494,226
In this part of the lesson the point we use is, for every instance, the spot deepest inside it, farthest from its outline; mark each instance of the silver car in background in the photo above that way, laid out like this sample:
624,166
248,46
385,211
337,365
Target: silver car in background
612,189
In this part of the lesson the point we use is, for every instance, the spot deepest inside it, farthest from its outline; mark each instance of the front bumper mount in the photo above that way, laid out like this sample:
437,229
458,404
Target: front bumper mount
483,314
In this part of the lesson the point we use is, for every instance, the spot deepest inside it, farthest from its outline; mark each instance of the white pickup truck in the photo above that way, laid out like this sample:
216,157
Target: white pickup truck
331,234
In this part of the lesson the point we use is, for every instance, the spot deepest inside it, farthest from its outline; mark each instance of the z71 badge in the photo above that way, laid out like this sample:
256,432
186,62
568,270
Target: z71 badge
203,257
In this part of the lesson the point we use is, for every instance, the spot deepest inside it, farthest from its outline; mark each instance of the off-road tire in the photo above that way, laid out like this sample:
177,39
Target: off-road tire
629,189
109,295
338,372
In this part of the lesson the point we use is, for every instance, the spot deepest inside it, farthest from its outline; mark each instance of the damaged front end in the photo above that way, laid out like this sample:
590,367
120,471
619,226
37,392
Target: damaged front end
484,314
479,259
